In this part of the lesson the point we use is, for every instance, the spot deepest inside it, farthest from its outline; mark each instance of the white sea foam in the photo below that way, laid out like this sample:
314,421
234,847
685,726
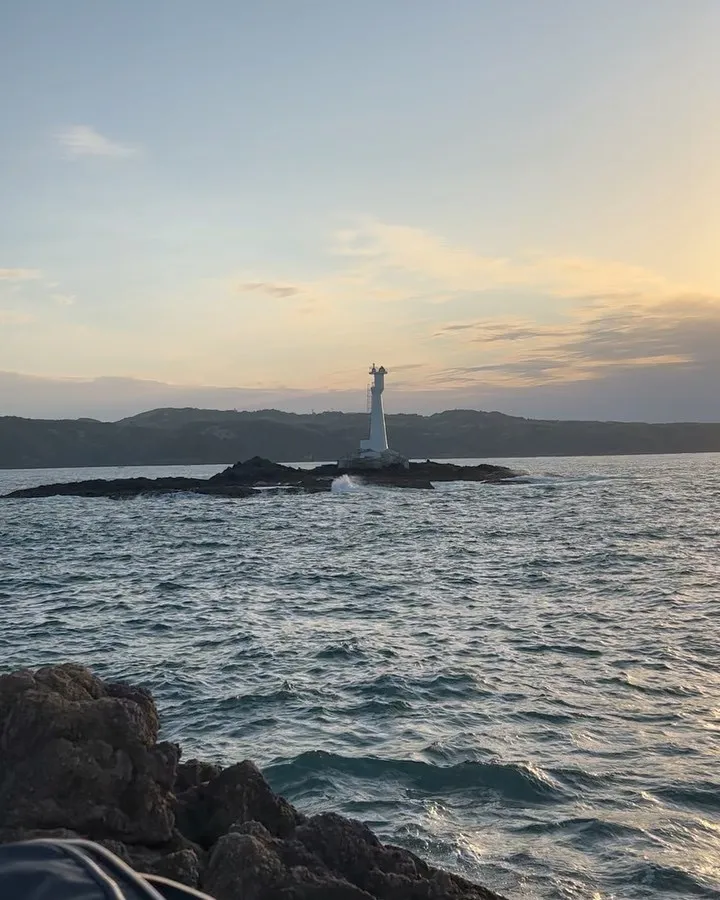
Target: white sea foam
346,484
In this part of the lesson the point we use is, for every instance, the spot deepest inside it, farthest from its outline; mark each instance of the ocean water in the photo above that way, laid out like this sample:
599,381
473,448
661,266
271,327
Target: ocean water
519,682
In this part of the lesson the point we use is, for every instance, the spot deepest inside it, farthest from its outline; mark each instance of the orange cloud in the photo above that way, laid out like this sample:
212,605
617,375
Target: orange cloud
19,274
380,250
676,331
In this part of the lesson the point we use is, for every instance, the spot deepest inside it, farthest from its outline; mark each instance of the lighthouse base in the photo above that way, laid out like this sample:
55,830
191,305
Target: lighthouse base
373,459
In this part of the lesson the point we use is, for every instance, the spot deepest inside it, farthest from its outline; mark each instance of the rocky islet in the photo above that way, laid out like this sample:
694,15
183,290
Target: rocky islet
248,478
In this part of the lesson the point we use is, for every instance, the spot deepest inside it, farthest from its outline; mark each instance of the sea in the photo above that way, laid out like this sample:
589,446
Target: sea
518,682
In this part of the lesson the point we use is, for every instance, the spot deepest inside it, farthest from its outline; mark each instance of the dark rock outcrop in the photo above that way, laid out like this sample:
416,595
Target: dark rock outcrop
257,471
78,754
250,864
244,479
193,773
437,471
238,794
122,488
81,758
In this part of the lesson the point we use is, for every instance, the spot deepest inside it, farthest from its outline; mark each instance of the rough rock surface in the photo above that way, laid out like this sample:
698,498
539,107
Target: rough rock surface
76,753
238,794
122,488
80,758
244,478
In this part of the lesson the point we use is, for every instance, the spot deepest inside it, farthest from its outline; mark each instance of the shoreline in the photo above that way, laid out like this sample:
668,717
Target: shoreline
80,757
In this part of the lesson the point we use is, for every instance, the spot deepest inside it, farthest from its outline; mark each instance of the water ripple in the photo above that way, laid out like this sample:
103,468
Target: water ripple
519,682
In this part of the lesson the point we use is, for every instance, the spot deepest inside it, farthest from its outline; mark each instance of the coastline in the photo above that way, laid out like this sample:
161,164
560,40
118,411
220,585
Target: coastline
81,758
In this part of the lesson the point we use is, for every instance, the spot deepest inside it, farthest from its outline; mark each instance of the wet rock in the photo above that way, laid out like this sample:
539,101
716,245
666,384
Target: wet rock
238,794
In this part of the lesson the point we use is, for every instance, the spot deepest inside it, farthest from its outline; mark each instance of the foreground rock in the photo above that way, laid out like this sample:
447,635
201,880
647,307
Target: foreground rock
245,479
80,757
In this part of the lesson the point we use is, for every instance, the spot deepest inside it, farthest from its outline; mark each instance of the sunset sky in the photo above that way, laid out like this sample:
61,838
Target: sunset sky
512,205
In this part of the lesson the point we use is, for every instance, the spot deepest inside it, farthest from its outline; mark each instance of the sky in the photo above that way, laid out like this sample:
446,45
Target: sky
510,204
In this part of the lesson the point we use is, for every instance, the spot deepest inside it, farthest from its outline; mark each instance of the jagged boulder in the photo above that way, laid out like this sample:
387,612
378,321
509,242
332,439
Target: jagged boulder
79,754
238,794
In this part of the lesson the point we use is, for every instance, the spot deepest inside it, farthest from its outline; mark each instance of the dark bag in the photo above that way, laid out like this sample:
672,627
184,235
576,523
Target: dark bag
78,870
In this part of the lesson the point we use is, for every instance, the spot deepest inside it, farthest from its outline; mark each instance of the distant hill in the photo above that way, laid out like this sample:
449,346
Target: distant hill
187,436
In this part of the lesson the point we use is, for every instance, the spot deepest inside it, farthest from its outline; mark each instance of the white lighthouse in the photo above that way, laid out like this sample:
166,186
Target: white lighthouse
374,453
377,442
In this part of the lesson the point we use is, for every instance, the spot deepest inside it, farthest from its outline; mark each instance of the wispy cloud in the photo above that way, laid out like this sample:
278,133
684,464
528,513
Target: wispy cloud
385,252
84,140
272,289
679,331
473,319
406,367
19,274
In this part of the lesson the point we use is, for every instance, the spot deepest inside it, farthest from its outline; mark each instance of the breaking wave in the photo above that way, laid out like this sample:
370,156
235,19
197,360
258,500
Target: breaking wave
346,484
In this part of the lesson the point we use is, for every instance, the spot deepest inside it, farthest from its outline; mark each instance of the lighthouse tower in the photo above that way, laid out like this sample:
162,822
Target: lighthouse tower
377,442
374,453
